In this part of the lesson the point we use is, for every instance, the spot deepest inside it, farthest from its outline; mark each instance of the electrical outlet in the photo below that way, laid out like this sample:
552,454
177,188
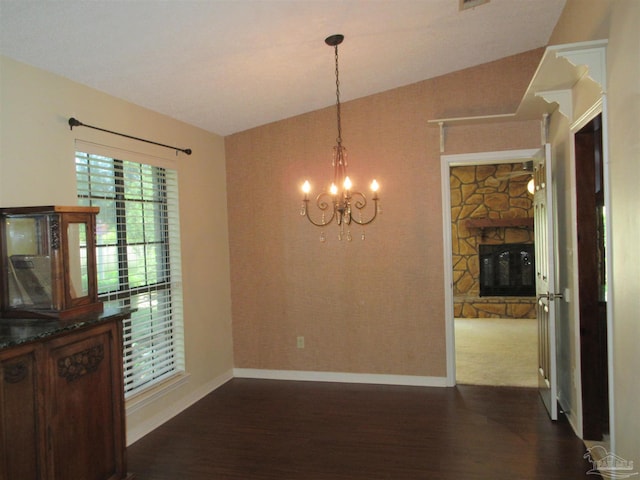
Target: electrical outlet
300,342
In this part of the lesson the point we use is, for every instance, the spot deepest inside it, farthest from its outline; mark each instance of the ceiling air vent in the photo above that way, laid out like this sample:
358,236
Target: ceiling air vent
466,4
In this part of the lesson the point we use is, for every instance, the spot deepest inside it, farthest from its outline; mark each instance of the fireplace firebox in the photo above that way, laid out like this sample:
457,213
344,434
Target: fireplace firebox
507,270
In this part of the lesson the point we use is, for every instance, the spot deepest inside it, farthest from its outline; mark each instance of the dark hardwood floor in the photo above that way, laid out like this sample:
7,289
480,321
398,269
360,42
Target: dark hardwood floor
264,429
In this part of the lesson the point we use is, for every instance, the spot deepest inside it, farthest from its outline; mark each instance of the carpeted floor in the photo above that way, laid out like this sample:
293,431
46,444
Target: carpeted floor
497,351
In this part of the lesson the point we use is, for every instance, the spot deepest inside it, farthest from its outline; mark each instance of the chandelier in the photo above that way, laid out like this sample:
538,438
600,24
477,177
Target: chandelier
341,203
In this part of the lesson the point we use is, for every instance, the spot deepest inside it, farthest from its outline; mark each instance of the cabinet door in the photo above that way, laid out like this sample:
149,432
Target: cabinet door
19,448
84,435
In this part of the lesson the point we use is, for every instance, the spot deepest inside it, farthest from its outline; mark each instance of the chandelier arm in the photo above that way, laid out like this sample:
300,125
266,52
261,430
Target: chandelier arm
360,200
361,203
323,206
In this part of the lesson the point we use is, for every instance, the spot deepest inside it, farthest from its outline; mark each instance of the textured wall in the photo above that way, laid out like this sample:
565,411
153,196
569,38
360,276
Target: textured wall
372,306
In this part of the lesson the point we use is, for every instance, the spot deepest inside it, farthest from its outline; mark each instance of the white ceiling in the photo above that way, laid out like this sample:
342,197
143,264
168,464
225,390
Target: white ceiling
229,65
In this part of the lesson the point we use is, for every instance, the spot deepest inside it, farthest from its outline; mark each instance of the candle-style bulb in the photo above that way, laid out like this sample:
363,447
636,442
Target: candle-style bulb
347,183
374,186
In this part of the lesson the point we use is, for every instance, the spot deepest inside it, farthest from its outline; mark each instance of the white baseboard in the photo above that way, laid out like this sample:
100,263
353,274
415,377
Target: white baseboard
570,415
140,430
147,397
312,376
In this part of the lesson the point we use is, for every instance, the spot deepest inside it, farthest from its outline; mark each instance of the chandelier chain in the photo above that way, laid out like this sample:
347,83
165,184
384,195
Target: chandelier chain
339,139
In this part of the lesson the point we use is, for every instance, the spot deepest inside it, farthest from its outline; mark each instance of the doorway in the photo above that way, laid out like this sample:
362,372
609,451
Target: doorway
491,335
592,278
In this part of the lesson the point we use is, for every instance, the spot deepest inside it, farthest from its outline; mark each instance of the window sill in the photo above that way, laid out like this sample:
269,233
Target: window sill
146,397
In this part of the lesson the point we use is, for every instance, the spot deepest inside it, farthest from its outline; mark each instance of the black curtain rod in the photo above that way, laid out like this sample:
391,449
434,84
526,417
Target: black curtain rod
77,123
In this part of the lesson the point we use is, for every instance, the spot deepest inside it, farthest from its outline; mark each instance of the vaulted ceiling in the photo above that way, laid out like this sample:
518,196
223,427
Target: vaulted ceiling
230,65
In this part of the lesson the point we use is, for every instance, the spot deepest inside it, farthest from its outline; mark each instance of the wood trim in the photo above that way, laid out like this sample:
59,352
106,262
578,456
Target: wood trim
340,377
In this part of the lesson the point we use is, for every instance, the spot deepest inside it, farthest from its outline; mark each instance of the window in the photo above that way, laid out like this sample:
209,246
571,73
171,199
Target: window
138,260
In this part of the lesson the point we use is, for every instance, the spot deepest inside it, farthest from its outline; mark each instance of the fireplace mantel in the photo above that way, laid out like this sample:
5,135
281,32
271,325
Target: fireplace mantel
482,223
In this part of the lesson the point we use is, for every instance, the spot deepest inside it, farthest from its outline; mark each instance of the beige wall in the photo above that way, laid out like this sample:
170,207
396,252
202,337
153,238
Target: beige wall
37,167
582,20
617,20
623,64
373,306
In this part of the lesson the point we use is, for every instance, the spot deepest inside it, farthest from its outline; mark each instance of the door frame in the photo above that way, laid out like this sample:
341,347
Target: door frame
446,162
598,108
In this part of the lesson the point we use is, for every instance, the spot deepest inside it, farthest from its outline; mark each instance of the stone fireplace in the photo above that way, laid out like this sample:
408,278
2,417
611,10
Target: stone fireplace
491,208
507,270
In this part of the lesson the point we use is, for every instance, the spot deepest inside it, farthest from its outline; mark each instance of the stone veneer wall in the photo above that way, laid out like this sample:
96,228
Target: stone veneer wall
483,191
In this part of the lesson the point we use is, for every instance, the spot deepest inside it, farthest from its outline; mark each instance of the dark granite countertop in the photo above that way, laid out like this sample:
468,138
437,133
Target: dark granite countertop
18,331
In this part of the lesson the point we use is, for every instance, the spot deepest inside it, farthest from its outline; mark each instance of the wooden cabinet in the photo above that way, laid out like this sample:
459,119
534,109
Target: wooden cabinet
19,428
63,406
85,436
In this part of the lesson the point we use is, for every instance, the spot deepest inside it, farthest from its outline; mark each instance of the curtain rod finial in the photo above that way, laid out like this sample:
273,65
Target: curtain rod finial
74,123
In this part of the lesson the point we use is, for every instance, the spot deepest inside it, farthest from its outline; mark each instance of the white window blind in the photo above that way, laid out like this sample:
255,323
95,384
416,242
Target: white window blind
138,260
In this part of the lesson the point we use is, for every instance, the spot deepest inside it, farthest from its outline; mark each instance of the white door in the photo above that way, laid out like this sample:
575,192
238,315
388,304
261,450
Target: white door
545,281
